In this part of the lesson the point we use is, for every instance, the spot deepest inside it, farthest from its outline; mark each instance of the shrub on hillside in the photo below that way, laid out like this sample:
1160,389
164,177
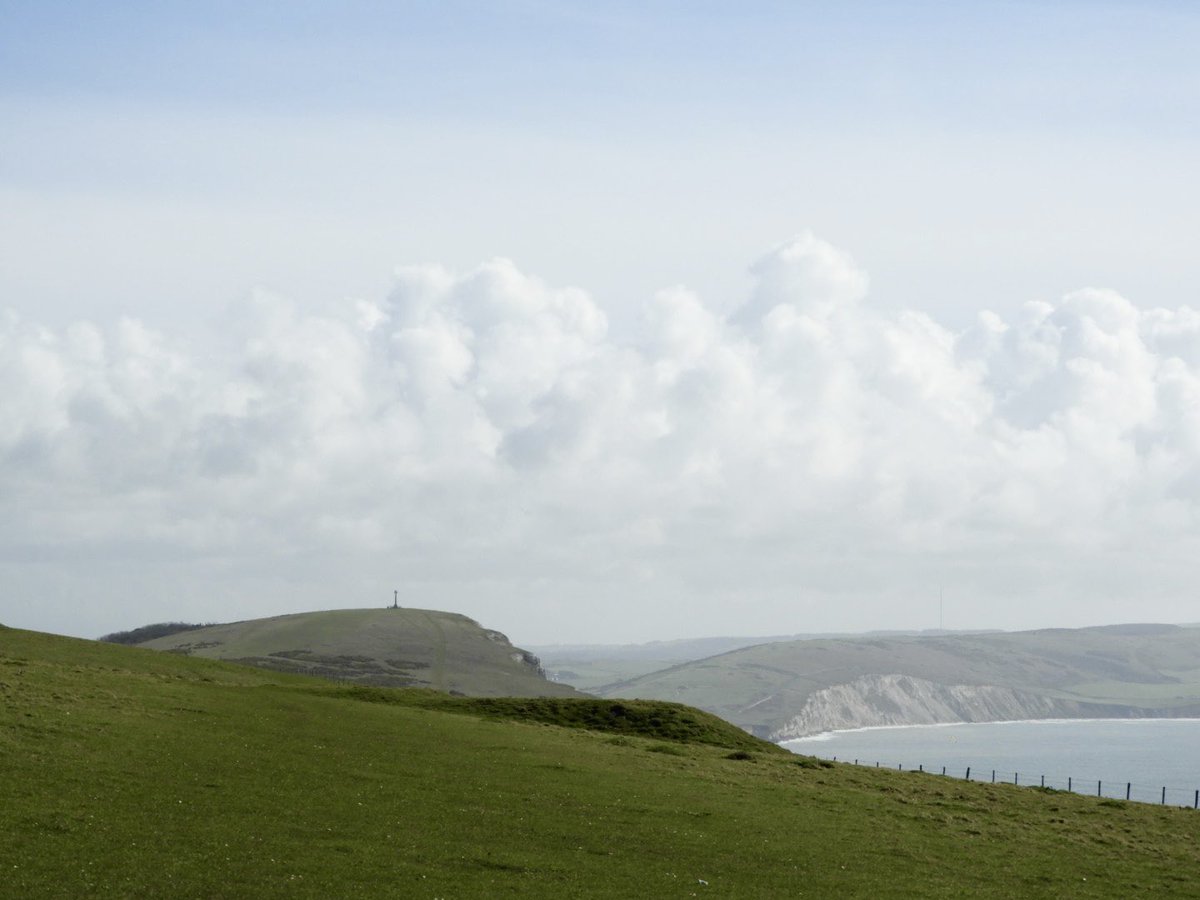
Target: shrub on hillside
149,632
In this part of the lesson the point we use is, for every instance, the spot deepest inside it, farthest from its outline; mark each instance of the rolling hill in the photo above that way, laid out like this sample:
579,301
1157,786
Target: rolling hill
596,666
791,689
135,774
388,647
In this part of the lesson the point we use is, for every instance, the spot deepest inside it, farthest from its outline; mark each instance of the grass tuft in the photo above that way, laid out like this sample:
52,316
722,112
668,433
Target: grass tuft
812,762
667,749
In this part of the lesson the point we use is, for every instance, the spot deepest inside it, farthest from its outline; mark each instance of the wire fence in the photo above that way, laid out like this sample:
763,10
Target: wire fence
1114,789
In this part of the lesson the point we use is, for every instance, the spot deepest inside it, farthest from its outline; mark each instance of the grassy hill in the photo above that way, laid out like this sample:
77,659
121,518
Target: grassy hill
391,647
136,774
787,688
594,667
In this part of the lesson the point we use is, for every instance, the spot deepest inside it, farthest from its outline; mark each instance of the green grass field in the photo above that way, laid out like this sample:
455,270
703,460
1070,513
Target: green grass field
131,774
1147,696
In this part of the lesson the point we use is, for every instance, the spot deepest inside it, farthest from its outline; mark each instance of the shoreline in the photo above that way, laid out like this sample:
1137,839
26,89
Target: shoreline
823,736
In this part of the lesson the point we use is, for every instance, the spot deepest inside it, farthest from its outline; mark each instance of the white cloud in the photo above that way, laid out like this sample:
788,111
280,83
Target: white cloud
479,440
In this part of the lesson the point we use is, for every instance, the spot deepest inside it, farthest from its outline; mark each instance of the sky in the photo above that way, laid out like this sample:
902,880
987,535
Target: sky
600,322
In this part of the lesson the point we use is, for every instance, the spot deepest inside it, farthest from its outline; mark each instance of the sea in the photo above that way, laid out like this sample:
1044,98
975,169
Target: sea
1146,760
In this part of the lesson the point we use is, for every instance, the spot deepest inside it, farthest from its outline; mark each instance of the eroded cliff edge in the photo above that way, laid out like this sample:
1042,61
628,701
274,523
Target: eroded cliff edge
879,700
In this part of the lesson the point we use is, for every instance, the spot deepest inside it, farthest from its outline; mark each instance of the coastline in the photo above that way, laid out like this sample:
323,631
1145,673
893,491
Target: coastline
1144,760
1115,720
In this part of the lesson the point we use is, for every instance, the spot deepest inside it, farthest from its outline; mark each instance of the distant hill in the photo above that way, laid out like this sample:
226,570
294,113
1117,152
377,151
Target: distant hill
793,688
386,647
592,667
595,666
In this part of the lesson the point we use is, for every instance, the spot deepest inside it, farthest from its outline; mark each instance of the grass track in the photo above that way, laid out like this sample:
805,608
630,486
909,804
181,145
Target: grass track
127,773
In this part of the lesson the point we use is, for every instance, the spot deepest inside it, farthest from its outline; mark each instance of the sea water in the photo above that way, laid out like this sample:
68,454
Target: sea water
1107,756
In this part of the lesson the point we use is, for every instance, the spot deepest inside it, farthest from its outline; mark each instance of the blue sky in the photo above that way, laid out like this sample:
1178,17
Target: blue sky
990,65
886,127
238,179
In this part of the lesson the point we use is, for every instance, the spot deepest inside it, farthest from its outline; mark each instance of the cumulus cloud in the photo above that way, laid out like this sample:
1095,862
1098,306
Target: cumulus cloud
480,441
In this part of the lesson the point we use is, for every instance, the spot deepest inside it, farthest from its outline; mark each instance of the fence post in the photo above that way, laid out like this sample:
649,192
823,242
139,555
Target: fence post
943,770
1097,788
899,767
1043,781
1128,785
1016,777
1068,784
968,776
1164,799
1196,805
921,767
993,776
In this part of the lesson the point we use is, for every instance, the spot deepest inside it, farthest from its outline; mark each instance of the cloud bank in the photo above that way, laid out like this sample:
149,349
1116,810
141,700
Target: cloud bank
479,441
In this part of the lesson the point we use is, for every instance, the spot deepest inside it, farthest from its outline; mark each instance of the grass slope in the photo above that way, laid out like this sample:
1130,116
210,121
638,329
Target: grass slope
135,774
1118,670
595,666
396,647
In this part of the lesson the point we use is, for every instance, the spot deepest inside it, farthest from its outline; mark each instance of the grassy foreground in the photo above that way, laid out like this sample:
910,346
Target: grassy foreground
128,773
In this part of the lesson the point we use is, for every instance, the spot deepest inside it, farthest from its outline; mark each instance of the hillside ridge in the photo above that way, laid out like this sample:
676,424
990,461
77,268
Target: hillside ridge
387,647
793,689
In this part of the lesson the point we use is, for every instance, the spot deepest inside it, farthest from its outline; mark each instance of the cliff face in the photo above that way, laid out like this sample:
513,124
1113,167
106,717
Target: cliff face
874,700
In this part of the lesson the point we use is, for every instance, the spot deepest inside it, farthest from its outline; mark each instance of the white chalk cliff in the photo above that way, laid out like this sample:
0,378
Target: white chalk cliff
874,700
